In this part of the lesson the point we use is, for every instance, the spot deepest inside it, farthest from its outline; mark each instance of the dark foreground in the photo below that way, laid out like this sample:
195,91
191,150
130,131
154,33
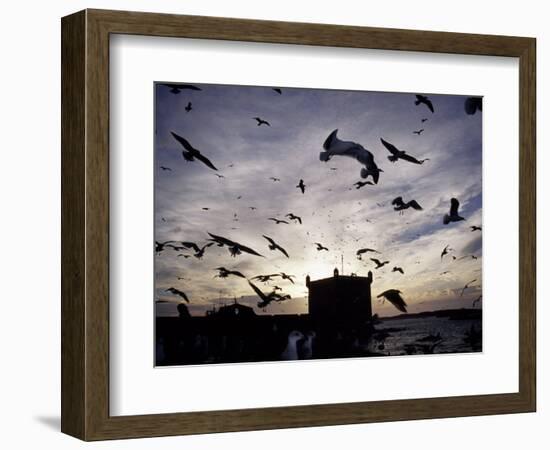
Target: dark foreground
210,340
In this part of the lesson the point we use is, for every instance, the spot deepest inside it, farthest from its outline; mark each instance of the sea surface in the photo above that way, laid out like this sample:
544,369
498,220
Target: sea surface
422,335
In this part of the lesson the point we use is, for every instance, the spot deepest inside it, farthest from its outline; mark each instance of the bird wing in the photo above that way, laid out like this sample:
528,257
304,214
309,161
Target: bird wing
191,245
183,142
454,207
204,159
414,204
394,297
244,248
334,146
283,251
269,239
236,273
221,240
429,104
376,261
407,157
397,201
257,291
391,148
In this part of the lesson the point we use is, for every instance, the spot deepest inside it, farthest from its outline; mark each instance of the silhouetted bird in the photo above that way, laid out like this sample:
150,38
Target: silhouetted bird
400,205
159,246
361,251
191,245
445,251
320,247
453,213
425,100
165,168
424,120
219,176
397,154
360,184
278,221
475,228
379,263
265,278
234,247
189,107
398,269
200,253
294,217
301,186
175,291
268,298
466,286
274,246
336,147
279,91
394,297
284,276
419,132
274,179
190,153
472,105
177,88
224,273
261,121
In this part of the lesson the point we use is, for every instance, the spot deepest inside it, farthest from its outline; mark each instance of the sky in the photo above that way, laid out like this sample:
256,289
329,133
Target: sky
221,126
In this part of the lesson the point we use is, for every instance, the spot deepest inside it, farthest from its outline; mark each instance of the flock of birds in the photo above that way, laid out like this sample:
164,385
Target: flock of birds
333,147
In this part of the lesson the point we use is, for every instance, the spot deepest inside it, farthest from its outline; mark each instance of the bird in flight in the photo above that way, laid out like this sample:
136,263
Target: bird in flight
466,286
398,269
445,273
252,208
360,184
189,107
265,278
445,251
453,213
277,221
397,154
361,251
418,132
425,100
200,253
379,263
336,147
266,299
294,217
234,247
190,153
159,246
394,297
424,119
190,245
274,179
301,186
261,121
164,168
400,205
274,246
473,105
320,246
477,300
278,90
175,291
475,228
284,276
177,88
224,273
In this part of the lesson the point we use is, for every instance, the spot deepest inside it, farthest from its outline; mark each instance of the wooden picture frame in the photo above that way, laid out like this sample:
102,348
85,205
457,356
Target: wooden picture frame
85,224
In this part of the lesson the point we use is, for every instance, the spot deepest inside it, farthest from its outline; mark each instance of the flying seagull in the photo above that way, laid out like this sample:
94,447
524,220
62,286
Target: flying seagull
294,217
165,168
175,291
234,247
224,273
190,153
261,121
475,228
466,286
199,254
320,246
268,298
397,154
453,213
418,132
379,263
190,245
398,269
301,186
279,91
274,179
265,278
159,246
394,297
445,251
274,246
473,105
360,184
277,221
425,100
365,250
335,147
189,107
424,120
284,276
177,88
400,205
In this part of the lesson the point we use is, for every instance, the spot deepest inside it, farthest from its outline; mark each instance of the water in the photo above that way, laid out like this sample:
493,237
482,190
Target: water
409,336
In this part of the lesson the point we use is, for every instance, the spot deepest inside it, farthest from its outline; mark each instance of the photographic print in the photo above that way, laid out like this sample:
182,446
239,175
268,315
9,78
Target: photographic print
301,223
